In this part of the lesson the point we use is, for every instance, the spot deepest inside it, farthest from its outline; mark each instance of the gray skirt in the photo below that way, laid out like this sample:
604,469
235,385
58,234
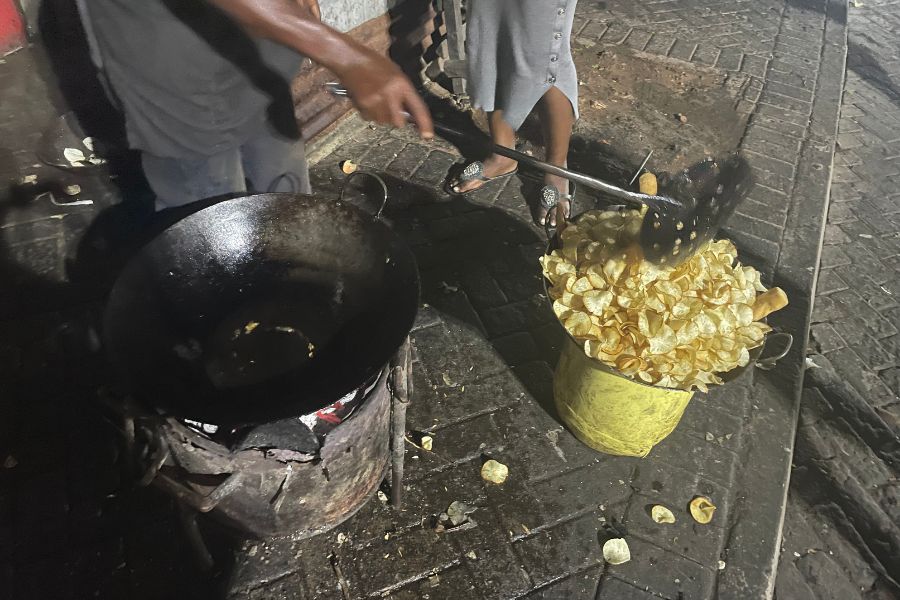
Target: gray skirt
516,51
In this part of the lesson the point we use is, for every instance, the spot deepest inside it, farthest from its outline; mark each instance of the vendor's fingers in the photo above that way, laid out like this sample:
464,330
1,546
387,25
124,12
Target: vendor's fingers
419,114
397,114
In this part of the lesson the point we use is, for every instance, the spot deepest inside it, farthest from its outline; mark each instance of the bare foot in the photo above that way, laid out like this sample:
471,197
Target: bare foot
559,214
494,166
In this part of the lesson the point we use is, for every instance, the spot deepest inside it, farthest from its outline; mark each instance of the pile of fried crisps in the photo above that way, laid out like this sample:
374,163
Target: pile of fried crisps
675,327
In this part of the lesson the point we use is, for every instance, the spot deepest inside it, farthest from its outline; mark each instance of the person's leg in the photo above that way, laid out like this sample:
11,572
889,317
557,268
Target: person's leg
177,181
274,163
495,165
557,121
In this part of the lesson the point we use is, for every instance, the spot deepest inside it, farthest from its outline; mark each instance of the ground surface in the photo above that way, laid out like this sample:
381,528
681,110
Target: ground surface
841,537
485,345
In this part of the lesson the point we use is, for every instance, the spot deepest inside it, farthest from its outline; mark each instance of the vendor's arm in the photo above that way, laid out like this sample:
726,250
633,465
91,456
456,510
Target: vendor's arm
379,89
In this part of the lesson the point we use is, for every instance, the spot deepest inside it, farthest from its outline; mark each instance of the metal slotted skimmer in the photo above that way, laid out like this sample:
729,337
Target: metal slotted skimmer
696,203
708,194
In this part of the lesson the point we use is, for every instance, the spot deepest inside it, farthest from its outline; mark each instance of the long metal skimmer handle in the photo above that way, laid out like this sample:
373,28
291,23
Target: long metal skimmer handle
633,198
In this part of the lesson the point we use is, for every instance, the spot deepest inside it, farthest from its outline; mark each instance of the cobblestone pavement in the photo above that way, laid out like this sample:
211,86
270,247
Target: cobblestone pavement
485,343
843,540
857,312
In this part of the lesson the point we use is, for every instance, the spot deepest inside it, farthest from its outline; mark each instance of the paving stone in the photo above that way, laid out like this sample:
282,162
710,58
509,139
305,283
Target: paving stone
700,543
445,404
707,457
446,584
388,563
517,316
578,586
449,364
612,588
825,338
516,348
857,373
678,486
669,574
481,287
433,170
287,588
597,486
494,566
829,281
373,521
561,550
537,377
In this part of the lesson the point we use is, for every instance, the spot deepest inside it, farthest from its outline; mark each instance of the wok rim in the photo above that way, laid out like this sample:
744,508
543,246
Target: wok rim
287,403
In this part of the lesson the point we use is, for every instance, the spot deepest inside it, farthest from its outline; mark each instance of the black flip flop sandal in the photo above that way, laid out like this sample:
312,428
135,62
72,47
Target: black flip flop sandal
549,198
474,171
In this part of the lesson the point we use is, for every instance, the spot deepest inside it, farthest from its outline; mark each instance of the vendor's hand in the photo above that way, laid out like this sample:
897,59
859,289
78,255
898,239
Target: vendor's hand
376,85
382,93
312,6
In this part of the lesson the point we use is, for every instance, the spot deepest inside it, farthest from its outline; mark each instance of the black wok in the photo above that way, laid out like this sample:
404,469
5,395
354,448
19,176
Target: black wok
260,308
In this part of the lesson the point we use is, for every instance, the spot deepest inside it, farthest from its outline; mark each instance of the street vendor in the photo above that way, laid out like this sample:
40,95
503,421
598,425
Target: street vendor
205,89
519,57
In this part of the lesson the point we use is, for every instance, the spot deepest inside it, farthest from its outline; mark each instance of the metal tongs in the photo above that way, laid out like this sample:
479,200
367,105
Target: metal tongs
700,199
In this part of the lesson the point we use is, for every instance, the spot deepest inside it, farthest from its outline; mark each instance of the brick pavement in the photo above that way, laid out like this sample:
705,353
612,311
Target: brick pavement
482,395
857,312
846,544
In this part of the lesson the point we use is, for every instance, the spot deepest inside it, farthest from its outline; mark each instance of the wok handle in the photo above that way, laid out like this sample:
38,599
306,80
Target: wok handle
376,178
768,363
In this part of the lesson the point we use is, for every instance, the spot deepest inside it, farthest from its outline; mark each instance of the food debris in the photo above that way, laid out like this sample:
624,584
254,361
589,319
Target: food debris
73,190
423,441
249,327
75,156
455,518
702,509
616,551
494,471
348,167
648,184
768,302
721,565
88,143
447,288
382,497
682,118
312,349
661,514
471,555
341,539
448,380
597,104
29,179
10,462
710,437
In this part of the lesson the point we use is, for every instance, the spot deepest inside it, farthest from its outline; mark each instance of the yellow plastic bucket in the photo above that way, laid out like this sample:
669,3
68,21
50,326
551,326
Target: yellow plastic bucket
609,412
